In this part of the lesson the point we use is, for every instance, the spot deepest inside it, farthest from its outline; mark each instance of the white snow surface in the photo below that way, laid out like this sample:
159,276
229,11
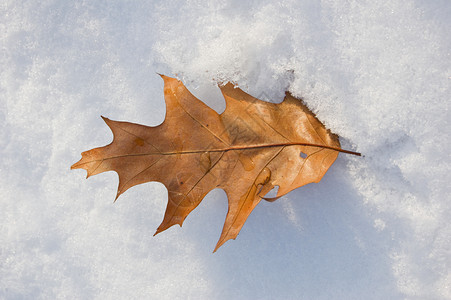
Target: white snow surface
377,73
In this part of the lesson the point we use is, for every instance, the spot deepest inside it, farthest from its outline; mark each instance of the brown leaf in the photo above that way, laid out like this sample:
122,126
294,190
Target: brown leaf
247,150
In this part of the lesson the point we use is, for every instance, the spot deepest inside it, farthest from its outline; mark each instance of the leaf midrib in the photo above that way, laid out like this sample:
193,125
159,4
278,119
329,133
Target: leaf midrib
232,148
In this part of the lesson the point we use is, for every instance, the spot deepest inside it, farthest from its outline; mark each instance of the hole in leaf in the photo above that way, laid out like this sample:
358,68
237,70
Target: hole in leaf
271,193
303,155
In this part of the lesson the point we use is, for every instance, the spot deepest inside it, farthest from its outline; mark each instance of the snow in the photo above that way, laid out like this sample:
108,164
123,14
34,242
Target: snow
377,73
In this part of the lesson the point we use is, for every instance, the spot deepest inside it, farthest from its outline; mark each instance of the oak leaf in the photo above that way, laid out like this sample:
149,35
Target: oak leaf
247,150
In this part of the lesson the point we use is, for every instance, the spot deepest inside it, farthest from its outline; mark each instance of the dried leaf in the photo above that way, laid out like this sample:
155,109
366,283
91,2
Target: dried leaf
247,150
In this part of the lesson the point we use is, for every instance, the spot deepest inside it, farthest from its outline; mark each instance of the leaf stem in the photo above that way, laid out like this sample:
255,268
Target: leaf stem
286,144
